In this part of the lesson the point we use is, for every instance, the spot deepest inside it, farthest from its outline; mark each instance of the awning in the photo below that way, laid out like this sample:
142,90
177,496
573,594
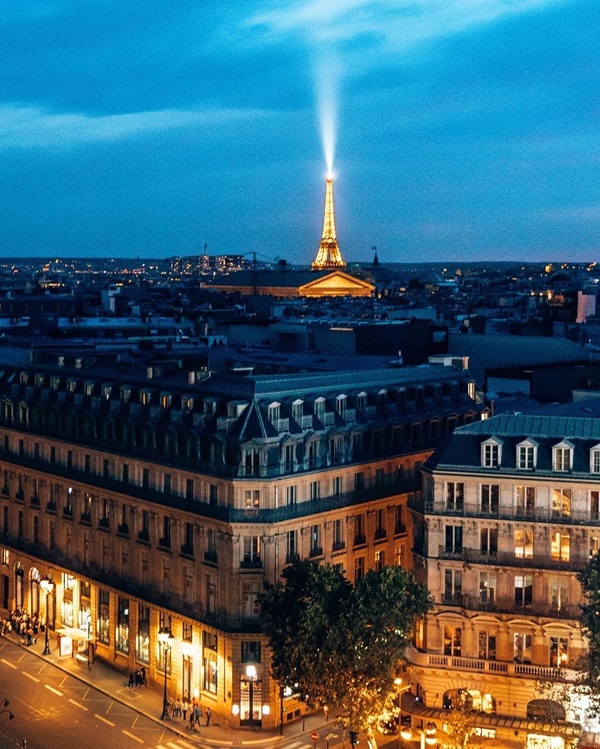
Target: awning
73,633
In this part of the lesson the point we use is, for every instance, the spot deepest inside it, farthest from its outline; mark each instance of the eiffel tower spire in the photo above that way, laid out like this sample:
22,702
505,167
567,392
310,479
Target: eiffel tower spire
329,255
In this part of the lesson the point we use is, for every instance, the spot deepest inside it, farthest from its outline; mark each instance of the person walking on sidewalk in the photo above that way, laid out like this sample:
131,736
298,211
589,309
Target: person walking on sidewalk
197,714
184,708
208,716
131,682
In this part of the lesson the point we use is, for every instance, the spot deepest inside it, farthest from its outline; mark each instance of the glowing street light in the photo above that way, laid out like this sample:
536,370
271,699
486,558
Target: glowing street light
165,637
427,734
47,585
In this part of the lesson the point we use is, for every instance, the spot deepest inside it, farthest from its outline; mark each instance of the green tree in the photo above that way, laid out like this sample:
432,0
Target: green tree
339,644
589,664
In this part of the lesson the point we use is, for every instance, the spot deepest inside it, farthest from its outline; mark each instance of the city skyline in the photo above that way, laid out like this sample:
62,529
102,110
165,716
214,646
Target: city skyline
462,130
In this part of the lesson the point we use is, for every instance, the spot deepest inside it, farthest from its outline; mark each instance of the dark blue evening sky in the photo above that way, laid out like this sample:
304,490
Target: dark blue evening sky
463,129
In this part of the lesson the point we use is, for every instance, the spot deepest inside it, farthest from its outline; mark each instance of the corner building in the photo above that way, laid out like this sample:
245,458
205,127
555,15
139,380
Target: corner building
509,514
156,499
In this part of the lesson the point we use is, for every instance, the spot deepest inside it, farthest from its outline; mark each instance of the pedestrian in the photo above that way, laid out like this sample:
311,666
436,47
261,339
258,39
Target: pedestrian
197,714
208,716
131,682
192,716
184,708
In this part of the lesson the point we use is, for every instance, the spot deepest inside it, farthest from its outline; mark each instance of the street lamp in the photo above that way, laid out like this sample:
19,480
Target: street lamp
427,734
165,637
47,585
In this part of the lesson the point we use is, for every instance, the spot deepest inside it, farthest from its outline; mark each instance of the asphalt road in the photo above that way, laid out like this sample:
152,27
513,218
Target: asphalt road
54,710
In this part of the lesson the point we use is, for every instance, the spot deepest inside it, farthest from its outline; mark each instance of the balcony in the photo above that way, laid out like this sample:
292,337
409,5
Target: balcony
51,507
187,551
123,530
210,557
510,606
34,501
86,518
251,564
143,537
315,551
338,546
508,559
534,514
104,524
462,663
360,540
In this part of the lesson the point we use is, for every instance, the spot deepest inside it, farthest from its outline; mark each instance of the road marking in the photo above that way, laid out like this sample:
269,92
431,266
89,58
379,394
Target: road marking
8,663
135,738
83,707
29,676
60,694
186,745
173,745
108,722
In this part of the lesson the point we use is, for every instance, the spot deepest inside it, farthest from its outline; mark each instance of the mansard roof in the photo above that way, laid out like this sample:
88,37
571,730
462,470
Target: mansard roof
462,451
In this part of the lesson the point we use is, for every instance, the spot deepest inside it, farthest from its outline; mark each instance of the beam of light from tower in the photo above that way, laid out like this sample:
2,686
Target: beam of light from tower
327,77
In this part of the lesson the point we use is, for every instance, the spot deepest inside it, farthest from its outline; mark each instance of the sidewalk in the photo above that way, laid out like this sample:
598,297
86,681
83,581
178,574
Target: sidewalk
148,701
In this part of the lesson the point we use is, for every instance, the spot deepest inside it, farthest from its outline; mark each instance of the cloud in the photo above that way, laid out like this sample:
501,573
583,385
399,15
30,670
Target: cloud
35,127
577,213
398,24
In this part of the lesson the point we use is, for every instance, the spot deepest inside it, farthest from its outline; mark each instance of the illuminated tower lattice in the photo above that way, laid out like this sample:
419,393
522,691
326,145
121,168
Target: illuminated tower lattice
329,255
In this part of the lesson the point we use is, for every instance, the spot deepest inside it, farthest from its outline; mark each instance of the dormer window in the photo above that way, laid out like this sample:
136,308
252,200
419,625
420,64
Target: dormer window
340,405
165,400
145,397
562,456
298,409
382,398
491,453
106,392
527,455
88,387
361,401
125,393
24,378
39,380
595,459
55,383
187,403
71,385
319,407
209,406
235,409
274,412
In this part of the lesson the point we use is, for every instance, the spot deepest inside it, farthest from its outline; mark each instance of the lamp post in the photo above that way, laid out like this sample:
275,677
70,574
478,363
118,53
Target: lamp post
165,637
426,735
47,585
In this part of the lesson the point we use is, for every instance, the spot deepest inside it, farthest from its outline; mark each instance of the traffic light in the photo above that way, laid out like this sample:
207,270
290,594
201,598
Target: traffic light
353,738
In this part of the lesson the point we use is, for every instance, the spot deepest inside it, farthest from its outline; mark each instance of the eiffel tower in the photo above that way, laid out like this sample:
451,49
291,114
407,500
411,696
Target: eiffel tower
329,255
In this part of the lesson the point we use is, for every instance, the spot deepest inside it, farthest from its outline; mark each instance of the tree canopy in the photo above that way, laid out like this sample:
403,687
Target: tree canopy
339,644
590,662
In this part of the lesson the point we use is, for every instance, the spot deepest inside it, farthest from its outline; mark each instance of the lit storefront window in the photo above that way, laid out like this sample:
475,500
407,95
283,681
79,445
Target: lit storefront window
122,629
103,619
210,672
142,640
67,603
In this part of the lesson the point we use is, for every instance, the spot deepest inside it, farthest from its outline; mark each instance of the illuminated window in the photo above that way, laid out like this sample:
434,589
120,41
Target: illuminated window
523,544
561,503
359,569
379,560
452,640
595,459
525,501
594,507
560,546
122,629
559,651
142,640
252,498
522,643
